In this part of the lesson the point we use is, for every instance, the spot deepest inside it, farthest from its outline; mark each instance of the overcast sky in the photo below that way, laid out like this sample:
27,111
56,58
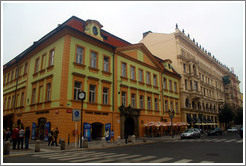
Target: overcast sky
218,26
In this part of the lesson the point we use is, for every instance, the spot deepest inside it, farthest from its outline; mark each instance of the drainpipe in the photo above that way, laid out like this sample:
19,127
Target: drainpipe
15,102
113,93
162,73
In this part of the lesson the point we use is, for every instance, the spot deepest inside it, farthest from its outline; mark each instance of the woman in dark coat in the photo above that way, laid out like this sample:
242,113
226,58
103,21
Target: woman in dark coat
27,137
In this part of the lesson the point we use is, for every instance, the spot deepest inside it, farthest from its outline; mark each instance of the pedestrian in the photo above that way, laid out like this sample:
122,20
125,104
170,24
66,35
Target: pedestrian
56,132
106,135
50,137
4,137
112,135
126,137
21,138
8,134
27,137
15,136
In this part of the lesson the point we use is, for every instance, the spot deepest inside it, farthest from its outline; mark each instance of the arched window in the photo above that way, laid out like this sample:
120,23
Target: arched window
194,69
206,107
193,104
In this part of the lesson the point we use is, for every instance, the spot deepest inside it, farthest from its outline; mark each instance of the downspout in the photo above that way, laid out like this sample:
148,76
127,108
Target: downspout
113,93
17,77
162,73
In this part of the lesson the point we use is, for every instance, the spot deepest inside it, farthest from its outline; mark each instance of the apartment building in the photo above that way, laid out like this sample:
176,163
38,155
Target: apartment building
202,88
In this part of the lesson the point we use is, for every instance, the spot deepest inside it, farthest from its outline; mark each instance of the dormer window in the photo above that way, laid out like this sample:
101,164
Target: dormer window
95,32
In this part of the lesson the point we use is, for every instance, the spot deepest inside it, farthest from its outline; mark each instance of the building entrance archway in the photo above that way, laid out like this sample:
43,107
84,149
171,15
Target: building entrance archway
129,126
97,129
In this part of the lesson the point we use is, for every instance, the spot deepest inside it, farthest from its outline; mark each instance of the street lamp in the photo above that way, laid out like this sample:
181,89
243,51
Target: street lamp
171,115
81,97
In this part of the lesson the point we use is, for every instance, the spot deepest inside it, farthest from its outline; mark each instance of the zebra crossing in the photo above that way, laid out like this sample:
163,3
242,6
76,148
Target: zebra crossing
206,140
106,157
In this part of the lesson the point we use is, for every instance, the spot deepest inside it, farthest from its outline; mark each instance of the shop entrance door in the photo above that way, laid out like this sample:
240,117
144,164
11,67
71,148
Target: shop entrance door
96,130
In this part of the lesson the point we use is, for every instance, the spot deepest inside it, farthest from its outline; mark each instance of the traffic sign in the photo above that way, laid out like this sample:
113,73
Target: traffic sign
76,115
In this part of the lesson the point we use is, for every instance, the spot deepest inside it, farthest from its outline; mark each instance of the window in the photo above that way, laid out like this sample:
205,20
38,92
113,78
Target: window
93,59
8,77
5,103
25,69
12,75
170,85
132,72
149,103
156,104
175,86
148,78
77,89
166,105
106,64
13,101
79,55
16,73
191,85
140,75
5,78
22,99
133,100
171,105
36,65
105,95
43,61
184,68
177,107
92,94
189,69
165,83
48,93
141,101
123,98
9,102
123,69
33,95
40,97
155,80
51,60
196,85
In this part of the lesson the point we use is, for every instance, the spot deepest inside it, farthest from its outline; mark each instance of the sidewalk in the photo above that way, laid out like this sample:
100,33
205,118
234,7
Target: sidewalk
97,144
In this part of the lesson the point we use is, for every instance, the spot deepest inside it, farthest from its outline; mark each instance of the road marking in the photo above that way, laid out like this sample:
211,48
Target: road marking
220,140
240,141
231,140
161,160
102,161
207,162
132,156
143,158
95,157
183,161
75,157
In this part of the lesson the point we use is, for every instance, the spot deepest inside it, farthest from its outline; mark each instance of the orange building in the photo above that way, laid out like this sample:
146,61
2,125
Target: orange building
41,85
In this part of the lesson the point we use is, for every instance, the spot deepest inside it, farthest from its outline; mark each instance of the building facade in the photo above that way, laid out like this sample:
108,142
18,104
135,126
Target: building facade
123,84
202,88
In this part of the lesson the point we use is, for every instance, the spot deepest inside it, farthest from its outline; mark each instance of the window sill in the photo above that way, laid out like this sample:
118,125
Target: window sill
106,73
156,87
92,103
149,85
141,83
106,105
42,71
35,74
133,81
46,102
93,69
79,65
32,104
39,103
50,67
124,78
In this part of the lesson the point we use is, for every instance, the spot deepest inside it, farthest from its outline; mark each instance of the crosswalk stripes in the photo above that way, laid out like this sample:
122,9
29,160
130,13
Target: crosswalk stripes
76,157
143,158
183,161
231,140
240,141
165,159
204,140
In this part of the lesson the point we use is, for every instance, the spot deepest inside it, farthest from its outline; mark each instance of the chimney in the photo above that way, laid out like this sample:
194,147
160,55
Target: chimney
146,33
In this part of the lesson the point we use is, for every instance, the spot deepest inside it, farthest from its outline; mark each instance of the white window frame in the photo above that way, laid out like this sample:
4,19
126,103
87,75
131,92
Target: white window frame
123,69
77,90
106,64
51,60
48,91
156,104
93,59
79,55
123,98
105,95
92,94
148,78
141,101
33,96
155,80
132,72
140,75
149,103
133,100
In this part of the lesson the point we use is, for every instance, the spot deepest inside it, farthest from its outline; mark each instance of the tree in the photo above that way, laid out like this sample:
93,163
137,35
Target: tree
239,116
226,115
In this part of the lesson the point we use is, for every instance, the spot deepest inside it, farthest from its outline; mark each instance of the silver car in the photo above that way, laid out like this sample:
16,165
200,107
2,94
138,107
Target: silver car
191,133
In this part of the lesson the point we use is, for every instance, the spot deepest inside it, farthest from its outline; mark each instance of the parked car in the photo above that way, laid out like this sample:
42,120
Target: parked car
241,132
232,130
216,131
190,133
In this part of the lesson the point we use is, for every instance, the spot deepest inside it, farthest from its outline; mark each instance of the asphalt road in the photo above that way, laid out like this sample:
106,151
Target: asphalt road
213,149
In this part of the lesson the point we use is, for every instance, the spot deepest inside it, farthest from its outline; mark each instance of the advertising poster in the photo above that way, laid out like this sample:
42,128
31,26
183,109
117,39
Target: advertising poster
33,130
46,130
108,127
87,131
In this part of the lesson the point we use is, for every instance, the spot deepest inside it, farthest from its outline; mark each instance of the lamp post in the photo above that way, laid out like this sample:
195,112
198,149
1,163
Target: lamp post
81,96
171,115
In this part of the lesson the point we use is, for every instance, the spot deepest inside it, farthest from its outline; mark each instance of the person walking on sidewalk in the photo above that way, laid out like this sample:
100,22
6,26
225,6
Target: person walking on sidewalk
8,134
50,137
107,135
21,138
56,132
15,137
27,137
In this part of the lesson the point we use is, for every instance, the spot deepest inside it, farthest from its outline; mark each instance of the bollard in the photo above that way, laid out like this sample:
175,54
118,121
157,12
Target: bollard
118,140
133,139
6,148
62,142
103,141
37,146
85,143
